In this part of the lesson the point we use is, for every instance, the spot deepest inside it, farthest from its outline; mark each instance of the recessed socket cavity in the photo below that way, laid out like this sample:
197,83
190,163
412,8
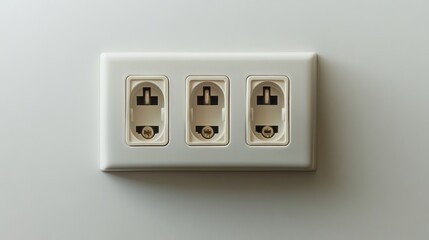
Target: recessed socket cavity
207,110
147,110
267,118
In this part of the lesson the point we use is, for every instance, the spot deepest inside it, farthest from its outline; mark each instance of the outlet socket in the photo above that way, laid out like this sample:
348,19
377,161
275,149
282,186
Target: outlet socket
292,146
146,110
267,111
207,110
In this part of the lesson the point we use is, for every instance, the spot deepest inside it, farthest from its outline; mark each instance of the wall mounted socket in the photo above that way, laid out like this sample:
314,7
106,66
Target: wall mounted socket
207,110
146,110
227,111
267,105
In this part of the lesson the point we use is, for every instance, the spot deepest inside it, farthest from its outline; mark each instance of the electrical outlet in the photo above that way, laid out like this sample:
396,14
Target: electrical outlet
227,111
267,118
147,110
207,110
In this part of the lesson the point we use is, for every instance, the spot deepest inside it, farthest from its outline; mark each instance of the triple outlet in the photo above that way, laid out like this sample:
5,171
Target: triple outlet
208,109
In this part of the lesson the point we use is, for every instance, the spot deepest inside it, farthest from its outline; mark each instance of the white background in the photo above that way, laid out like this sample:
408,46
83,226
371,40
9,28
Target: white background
373,120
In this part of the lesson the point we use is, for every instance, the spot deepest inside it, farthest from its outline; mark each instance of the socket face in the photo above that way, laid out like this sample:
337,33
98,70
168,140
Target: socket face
267,116
146,110
239,78
207,110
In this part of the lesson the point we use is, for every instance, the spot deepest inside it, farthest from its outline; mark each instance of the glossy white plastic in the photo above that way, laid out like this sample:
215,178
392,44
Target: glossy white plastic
237,155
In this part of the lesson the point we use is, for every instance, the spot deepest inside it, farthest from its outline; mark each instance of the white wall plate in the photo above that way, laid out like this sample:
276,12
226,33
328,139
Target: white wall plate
282,87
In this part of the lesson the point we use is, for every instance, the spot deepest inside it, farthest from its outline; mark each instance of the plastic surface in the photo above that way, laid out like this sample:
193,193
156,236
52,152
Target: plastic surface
146,110
207,110
116,155
267,105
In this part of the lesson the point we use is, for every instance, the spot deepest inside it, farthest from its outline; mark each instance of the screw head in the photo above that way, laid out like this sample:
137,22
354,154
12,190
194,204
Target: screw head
148,132
267,132
207,132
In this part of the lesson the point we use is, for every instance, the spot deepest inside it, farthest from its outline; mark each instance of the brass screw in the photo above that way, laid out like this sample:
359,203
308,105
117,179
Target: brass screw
207,132
147,132
267,132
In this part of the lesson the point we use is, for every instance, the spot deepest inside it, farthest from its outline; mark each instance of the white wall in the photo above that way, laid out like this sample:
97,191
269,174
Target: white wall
373,121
